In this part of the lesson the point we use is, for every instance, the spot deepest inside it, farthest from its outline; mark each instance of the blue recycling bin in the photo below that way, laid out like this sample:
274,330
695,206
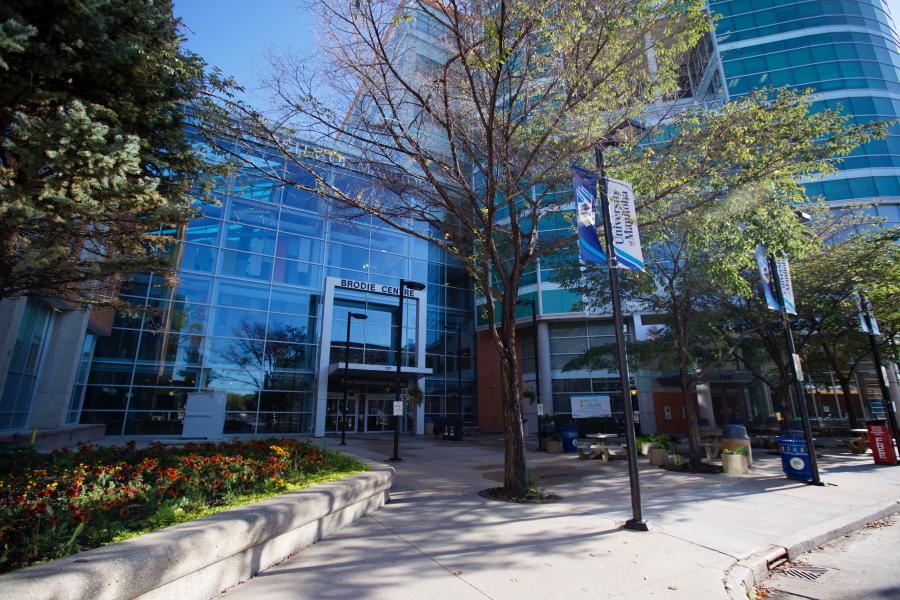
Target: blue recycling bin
569,435
795,456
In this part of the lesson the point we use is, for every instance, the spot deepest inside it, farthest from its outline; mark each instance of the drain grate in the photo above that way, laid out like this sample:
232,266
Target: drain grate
807,573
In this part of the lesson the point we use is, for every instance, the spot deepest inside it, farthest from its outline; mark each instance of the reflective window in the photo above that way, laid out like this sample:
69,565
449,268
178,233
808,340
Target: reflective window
250,239
299,248
251,213
243,264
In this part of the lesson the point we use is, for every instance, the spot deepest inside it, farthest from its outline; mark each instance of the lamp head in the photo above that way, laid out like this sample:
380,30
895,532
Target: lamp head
803,216
413,285
360,316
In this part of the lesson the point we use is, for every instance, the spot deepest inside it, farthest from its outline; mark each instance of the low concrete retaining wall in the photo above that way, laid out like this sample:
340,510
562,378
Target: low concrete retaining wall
198,559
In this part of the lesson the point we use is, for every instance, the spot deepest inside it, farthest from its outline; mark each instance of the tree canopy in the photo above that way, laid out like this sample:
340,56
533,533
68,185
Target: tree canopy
94,100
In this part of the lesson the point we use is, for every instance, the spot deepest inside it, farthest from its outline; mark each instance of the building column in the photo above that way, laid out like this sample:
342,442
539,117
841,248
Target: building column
542,347
704,401
10,316
59,368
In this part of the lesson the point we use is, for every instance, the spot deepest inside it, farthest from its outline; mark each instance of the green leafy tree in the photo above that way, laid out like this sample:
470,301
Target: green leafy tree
721,183
95,153
469,144
826,287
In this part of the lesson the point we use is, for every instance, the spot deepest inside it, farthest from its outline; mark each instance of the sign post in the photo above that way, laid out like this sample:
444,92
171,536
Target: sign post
783,302
620,225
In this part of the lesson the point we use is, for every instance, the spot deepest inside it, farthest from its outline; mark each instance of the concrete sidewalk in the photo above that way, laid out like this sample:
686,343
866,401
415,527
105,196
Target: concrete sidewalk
439,539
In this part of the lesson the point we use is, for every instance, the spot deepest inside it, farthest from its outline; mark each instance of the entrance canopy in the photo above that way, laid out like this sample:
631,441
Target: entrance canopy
356,369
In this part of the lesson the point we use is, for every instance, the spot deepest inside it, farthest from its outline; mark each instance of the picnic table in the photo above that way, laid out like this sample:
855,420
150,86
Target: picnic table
859,445
597,449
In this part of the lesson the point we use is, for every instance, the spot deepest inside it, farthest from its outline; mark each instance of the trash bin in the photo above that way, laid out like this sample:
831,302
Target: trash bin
881,442
569,435
795,456
453,429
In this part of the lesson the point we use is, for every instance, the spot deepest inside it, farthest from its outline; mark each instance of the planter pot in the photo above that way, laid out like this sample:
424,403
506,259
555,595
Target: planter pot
646,447
735,464
429,428
659,456
552,446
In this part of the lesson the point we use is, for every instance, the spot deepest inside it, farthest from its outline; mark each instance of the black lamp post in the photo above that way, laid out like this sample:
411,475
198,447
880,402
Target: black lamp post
537,368
794,364
350,317
879,369
637,521
413,285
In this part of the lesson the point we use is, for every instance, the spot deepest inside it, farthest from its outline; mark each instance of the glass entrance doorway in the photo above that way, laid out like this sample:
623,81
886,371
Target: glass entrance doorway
369,406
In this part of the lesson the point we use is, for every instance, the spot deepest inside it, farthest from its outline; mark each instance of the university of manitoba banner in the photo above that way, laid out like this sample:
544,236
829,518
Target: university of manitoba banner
626,240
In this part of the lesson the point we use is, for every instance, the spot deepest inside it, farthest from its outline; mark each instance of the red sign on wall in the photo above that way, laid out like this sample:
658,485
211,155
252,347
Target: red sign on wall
881,443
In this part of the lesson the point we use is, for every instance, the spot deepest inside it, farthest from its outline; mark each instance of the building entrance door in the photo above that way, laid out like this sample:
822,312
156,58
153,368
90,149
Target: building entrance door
370,409
355,412
379,409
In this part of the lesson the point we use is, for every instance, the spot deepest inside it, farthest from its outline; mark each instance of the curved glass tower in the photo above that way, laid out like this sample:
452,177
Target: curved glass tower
846,53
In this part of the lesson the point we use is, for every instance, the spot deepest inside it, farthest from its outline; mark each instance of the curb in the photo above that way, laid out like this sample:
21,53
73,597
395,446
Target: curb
198,559
742,577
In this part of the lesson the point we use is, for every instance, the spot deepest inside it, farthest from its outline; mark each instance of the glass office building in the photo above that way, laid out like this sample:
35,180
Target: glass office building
267,277
846,53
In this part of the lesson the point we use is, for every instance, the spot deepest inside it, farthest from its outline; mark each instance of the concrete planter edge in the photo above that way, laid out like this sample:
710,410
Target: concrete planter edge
198,559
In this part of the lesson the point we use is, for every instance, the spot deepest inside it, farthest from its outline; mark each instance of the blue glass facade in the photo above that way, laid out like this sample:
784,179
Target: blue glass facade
846,52
246,319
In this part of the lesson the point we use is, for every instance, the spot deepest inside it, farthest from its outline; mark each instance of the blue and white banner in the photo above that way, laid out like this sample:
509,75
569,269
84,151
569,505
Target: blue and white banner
768,282
864,306
584,183
626,240
765,278
787,286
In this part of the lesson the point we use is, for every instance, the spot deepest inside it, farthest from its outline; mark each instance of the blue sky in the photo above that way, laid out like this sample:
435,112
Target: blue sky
235,35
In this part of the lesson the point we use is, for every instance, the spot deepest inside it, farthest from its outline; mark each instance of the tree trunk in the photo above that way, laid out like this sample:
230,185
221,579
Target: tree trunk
515,476
691,412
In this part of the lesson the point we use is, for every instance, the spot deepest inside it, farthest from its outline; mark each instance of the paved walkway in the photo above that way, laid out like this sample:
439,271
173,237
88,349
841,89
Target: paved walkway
439,539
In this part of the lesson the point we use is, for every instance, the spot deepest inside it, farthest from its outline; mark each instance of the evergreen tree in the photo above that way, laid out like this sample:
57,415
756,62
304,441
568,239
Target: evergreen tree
95,154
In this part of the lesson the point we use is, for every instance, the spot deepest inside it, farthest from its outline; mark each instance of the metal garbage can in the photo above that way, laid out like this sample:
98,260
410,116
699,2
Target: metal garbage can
569,435
795,456
453,429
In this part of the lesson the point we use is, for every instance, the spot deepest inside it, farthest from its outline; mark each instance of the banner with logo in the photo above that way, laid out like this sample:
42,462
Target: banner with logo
626,240
584,184
787,286
768,282
865,307
765,278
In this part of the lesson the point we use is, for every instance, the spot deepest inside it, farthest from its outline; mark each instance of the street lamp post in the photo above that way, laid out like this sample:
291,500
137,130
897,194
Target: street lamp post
537,368
879,369
793,361
416,286
350,317
637,521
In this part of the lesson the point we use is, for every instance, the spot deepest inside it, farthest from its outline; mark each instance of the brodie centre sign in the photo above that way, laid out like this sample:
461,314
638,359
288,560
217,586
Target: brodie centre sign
376,288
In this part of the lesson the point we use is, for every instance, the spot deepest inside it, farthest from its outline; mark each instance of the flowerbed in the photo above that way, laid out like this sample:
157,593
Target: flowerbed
53,505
